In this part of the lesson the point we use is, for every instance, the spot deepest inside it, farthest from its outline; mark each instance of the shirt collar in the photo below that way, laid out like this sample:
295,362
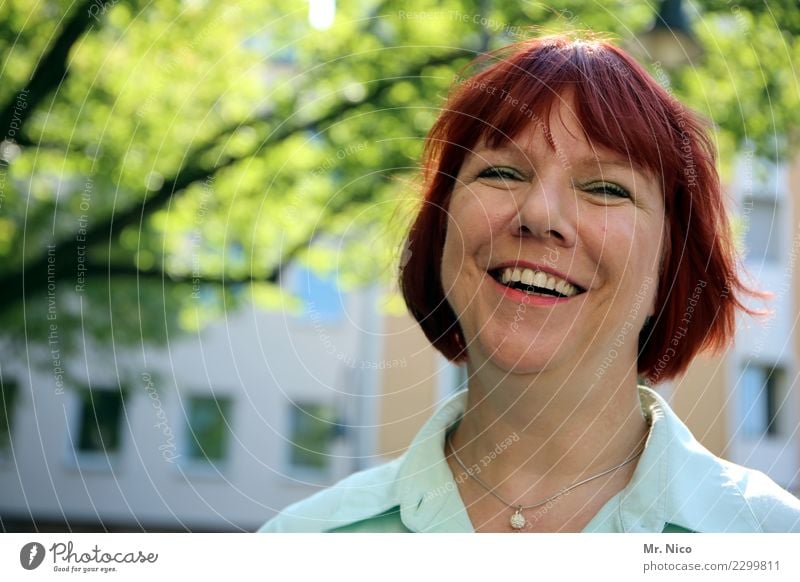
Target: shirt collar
429,498
676,481
642,506
698,491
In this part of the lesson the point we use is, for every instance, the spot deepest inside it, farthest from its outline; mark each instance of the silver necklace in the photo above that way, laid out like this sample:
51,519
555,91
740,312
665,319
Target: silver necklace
517,520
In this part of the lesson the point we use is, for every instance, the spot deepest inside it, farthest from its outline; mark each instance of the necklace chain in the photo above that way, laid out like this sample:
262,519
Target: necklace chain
517,520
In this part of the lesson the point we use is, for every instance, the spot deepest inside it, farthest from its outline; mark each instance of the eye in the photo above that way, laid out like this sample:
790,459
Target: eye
500,173
606,189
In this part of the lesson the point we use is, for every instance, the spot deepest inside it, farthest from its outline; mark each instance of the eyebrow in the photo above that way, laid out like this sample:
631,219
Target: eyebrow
624,164
630,164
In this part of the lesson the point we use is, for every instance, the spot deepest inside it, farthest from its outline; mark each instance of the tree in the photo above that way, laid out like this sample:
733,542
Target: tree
163,163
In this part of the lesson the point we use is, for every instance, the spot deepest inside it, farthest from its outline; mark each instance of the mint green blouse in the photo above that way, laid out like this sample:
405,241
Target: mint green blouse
678,486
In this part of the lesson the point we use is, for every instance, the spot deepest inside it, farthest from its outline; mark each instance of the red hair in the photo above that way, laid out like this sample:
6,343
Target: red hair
621,108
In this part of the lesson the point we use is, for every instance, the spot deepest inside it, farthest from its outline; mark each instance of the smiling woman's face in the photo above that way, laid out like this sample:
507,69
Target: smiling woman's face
577,227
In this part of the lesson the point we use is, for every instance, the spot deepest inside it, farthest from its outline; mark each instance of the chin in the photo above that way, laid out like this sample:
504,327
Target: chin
517,357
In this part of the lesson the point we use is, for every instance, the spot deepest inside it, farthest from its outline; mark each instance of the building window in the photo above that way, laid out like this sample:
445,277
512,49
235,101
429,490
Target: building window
313,430
8,396
100,421
207,428
761,388
762,225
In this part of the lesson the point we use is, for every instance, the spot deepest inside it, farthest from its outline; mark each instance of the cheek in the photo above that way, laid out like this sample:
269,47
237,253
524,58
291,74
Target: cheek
629,233
625,247
609,241
472,221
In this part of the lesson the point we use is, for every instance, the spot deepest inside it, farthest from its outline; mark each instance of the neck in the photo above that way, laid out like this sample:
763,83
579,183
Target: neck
534,434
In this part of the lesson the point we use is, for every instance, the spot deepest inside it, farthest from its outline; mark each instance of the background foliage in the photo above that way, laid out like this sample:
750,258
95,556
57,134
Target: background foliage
163,162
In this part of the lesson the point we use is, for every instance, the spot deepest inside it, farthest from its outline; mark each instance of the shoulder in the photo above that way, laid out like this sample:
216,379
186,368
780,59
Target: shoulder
717,495
773,508
704,493
361,496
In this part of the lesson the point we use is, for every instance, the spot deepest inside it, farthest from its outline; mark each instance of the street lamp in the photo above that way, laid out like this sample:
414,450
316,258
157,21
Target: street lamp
670,39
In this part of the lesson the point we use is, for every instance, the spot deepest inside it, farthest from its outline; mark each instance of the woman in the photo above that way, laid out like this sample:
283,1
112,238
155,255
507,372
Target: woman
572,239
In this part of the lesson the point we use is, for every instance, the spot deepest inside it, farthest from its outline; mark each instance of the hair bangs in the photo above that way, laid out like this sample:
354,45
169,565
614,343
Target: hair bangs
616,110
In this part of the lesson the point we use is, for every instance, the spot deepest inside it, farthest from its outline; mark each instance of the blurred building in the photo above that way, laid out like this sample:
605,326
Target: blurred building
216,431
744,405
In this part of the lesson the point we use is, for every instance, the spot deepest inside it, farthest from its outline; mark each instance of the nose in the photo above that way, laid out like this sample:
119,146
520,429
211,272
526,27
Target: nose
547,211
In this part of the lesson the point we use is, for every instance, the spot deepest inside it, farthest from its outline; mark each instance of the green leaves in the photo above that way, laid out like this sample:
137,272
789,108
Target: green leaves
204,144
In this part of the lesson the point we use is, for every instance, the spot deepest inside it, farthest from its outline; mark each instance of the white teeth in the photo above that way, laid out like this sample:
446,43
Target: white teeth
537,279
527,277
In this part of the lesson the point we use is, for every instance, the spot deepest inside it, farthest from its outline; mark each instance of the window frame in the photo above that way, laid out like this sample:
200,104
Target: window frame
202,465
9,397
101,460
336,432
772,381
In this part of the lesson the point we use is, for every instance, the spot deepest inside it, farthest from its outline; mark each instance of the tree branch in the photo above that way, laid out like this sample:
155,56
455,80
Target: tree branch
96,269
18,285
50,71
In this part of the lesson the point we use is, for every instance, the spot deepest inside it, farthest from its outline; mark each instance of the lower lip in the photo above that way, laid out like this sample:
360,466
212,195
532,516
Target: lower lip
522,297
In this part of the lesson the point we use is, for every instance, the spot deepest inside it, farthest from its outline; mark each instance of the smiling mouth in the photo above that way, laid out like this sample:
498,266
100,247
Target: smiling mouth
535,282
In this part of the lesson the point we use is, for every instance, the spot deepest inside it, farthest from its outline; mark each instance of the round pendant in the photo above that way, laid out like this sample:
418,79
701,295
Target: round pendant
517,520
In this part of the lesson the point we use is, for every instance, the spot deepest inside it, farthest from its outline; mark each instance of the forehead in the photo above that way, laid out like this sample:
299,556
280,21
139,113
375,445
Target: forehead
612,117
564,135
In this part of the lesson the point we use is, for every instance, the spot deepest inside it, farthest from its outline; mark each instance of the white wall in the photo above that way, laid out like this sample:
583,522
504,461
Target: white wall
261,360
